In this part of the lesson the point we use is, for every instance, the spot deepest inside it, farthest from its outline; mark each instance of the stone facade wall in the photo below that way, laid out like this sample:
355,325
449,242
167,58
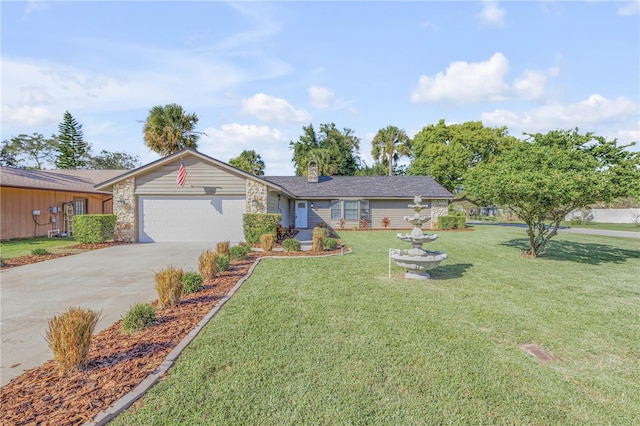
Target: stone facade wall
438,208
256,191
124,207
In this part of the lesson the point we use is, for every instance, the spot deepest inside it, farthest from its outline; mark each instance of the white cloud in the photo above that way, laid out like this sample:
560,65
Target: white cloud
492,14
465,82
271,109
61,87
27,115
321,97
631,8
233,138
596,113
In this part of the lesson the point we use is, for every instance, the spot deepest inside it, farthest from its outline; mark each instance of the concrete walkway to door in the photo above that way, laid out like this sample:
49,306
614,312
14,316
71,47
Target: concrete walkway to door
110,280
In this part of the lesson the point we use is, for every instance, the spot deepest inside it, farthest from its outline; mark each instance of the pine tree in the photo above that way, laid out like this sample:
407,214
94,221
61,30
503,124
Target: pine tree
73,150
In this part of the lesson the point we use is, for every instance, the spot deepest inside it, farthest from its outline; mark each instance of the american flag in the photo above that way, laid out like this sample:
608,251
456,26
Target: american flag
182,174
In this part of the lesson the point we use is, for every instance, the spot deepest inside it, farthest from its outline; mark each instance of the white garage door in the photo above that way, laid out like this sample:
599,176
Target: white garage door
165,219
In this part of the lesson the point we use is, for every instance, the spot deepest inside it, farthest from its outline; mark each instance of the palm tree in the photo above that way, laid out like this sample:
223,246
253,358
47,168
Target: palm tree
168,129
249,161
389,144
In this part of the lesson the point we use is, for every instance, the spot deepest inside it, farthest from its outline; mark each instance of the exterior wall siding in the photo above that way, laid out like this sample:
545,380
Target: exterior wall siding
279,205
202,179
17,204
395,210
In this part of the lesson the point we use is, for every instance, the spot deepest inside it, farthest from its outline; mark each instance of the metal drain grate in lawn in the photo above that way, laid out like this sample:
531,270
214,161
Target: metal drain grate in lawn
539,352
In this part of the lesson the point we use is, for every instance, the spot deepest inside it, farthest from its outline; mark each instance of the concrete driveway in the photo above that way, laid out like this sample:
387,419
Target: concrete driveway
110,280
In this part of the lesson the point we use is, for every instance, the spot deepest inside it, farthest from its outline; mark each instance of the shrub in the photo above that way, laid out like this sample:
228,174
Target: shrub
330,243
169,286
364,224
191,282
223,247
69,338
139,317
451,222
291,244
266,242
385,222
93,228
39,251
222,262
317,244
255,225
207,264
576,220
342,223
238,252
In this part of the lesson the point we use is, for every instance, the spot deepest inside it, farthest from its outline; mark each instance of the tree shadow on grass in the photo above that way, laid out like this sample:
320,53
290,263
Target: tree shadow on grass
449,272
569,251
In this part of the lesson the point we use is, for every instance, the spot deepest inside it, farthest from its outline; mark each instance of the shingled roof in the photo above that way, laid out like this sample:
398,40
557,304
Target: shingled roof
361,186
57,180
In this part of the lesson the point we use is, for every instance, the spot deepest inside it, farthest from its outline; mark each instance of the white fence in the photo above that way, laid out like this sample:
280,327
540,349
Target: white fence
608,215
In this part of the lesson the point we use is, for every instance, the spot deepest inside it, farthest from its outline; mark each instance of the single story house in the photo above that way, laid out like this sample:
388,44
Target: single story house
151,206
42,202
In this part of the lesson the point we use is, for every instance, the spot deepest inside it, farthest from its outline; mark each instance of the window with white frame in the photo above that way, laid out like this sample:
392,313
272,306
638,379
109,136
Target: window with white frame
351,209
364,209
336,210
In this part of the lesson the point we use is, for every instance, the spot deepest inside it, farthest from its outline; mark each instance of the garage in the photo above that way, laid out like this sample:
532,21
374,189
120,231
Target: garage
190,218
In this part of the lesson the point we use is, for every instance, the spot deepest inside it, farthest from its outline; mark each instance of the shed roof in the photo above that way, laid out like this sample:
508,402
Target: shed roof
362,186
56,180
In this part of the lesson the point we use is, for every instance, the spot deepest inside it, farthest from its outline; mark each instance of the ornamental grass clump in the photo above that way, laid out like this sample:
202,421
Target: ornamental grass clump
69,338
223,247
266,242
317,245
139,317
207,264
192,282
169,286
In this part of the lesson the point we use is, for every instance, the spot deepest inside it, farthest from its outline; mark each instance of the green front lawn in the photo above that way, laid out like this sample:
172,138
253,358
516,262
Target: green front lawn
335,341
23,246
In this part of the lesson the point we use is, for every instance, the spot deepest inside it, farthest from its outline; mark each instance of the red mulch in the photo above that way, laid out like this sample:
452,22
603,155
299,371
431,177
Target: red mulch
117,362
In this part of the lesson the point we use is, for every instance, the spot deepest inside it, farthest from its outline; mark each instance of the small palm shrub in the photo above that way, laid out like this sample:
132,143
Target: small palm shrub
238,252
223,247
207,264
317,243
266,242
139,317
39,251
169,286
330,244
385,222
192,282
222,263
291,244
69,338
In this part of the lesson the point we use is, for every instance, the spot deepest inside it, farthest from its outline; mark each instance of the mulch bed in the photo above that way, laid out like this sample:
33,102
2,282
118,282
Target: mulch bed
117,362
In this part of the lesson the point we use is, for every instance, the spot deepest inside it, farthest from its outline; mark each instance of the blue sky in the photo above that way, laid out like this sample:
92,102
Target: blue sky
256,72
